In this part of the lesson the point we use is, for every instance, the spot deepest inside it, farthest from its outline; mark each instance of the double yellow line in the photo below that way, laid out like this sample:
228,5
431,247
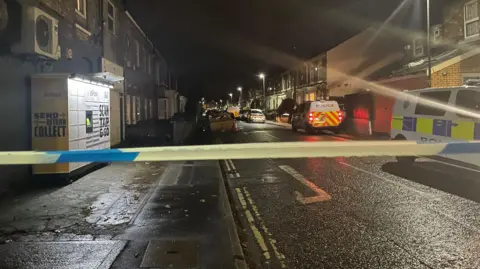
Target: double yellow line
254,219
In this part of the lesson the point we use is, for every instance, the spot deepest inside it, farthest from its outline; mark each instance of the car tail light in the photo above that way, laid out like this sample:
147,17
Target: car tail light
310,119
310,115
340,115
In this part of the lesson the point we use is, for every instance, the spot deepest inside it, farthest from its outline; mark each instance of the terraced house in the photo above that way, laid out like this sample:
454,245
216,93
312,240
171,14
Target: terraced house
82,63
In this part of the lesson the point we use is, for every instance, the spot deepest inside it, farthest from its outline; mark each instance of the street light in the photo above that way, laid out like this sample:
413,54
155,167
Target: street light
231,97
262,77
240,97
428,45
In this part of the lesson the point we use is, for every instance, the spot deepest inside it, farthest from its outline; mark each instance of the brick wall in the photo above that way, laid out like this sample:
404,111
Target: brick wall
447,77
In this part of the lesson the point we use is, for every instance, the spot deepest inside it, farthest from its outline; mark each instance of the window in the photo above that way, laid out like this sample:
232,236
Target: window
144,59
417,47
111,17
312,96
137,52
157,72
471,19
437,96
82,8
468,99
150,64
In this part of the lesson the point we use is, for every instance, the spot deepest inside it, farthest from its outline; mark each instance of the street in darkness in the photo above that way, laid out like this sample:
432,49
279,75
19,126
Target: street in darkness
268,213
352,212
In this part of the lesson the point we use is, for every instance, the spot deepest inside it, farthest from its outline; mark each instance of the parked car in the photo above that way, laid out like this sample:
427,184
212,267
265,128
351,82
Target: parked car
222,122
256,115
244,114
317,115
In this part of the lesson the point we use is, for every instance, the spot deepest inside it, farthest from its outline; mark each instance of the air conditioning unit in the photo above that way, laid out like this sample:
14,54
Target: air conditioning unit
39,34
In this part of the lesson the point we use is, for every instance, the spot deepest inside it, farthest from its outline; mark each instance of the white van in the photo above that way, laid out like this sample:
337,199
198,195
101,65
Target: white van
412,120
317,115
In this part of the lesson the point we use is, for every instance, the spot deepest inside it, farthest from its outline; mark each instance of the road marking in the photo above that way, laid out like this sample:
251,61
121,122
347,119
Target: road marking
233,168
391,181
227,166
271,241
267,134
321,194
256,233
241,198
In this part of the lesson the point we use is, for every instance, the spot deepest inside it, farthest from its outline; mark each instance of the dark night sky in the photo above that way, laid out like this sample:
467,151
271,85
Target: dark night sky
215,45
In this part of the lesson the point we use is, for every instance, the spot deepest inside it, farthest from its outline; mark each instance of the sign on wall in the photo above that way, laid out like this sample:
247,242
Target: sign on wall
93,101
49,119
69,114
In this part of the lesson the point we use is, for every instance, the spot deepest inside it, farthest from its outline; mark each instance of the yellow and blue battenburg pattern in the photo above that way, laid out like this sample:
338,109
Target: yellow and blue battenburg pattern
457,129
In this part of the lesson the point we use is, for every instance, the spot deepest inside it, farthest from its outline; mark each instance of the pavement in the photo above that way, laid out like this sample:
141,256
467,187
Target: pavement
366,212
124,215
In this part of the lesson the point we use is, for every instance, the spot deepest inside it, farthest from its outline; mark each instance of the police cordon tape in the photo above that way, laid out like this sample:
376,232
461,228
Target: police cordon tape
243,151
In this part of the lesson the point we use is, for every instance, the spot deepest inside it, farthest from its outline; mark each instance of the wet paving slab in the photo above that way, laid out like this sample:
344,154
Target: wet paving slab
71,255
183,223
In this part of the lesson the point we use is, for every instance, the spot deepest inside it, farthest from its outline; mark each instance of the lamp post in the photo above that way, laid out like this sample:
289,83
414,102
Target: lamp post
262,77
240,97
428,45
231,97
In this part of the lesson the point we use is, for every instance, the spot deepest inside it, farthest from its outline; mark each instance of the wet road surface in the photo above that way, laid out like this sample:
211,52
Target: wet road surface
352,212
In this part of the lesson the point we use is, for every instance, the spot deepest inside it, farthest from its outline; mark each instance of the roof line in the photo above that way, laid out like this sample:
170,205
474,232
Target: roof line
142,32
455,60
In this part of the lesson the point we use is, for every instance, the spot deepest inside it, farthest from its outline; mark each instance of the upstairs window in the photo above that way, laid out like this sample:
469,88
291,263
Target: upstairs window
471,19
82,8
417,47
111,17
137,53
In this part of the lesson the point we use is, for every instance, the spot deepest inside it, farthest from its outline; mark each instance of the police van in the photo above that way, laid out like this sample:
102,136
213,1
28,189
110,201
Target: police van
414,120
317,115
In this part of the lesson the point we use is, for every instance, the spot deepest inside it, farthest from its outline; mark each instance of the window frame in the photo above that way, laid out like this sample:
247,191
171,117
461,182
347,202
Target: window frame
144,58
465,21
459,106
157,71
415,54
78,8
112,17
150,62
137,51
430,114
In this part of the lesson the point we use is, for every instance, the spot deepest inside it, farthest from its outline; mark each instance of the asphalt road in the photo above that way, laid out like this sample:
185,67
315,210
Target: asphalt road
351,212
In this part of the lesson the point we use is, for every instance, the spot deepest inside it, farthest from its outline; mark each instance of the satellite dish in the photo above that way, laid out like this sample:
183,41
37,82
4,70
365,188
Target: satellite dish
3,15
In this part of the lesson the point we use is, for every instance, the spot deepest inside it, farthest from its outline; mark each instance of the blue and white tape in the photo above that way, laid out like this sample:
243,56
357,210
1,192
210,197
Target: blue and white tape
243,151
